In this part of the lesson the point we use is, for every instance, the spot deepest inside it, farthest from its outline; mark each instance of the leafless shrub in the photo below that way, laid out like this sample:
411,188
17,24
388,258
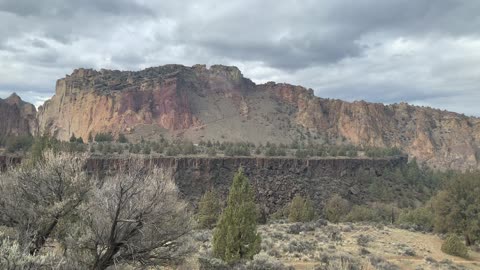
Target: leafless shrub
35,198
136,217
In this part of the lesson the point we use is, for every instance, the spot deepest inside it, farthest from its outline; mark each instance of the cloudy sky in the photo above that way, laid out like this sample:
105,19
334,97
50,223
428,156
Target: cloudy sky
425,52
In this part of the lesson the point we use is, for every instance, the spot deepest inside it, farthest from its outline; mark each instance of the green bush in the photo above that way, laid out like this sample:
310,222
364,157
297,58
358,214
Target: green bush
18,143
301,210
457,207
336,208
122,138
422,218
103,137
374,212
453,245
209,209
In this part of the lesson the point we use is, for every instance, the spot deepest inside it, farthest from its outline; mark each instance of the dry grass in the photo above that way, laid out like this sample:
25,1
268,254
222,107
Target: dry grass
352,247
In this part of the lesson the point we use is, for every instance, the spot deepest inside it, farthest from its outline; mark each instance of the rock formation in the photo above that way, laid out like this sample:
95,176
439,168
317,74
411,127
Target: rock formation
17,117
218,103
275,180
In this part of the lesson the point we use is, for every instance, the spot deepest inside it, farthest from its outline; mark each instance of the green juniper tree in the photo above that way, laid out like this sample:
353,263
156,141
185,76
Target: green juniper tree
301,210
209,209
236,237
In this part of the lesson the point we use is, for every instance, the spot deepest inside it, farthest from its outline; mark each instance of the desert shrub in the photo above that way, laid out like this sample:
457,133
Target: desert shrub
208,263
211,152
339,262
172,151
421,218
457,207
235,237
381,264
202,235
130,218
103,137
382,152
374,212
14,256
18,143
237,149
281,213
121,138
263,261
453,245
295,228
363,240
301,210
34,198
301,153
73,138
209,209
187,148
300,247
262,216
336,208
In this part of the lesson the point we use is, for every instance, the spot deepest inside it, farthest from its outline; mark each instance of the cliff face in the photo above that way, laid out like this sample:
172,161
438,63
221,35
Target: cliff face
17,117
218,103
275,180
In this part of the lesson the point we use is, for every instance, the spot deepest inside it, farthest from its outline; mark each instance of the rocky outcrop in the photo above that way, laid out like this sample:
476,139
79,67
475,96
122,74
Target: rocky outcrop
275,180
17,117
218,103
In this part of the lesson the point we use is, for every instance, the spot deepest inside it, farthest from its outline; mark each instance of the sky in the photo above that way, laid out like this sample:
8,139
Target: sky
424,52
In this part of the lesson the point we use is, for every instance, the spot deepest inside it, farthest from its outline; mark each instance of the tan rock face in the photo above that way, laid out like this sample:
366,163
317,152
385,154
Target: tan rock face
206,103
17,117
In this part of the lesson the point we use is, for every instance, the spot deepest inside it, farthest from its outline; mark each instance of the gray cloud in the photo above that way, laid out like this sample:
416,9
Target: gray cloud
423,51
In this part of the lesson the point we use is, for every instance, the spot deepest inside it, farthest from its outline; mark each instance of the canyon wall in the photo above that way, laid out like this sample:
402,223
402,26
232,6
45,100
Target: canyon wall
218,103
275,180
17,117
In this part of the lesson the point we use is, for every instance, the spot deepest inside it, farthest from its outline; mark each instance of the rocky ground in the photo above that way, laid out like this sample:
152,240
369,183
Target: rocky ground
347,246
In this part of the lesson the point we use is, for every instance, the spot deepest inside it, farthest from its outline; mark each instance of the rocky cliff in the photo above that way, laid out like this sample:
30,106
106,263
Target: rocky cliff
17,117
275,180
218,103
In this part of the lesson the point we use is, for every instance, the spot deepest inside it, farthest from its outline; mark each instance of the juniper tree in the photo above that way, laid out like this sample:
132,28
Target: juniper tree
236,237
301,210
209,209
457,207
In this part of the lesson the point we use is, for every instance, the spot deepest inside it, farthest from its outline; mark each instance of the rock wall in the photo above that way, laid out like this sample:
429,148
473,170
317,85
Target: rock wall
276,180
218,103
17,117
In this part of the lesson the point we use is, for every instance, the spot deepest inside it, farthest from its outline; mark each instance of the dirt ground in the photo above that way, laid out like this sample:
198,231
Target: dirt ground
306,247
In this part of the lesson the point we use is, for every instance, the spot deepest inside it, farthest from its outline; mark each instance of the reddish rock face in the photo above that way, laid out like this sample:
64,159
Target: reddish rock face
218,103
17,117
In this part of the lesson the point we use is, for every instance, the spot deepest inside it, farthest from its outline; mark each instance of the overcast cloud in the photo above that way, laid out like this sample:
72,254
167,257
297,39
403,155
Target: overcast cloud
425,52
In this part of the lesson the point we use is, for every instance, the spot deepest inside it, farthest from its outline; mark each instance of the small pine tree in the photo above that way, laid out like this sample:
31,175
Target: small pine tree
296,209
236,237
301,210
122,138
211,152
209,210
308,213
90,137
73,138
